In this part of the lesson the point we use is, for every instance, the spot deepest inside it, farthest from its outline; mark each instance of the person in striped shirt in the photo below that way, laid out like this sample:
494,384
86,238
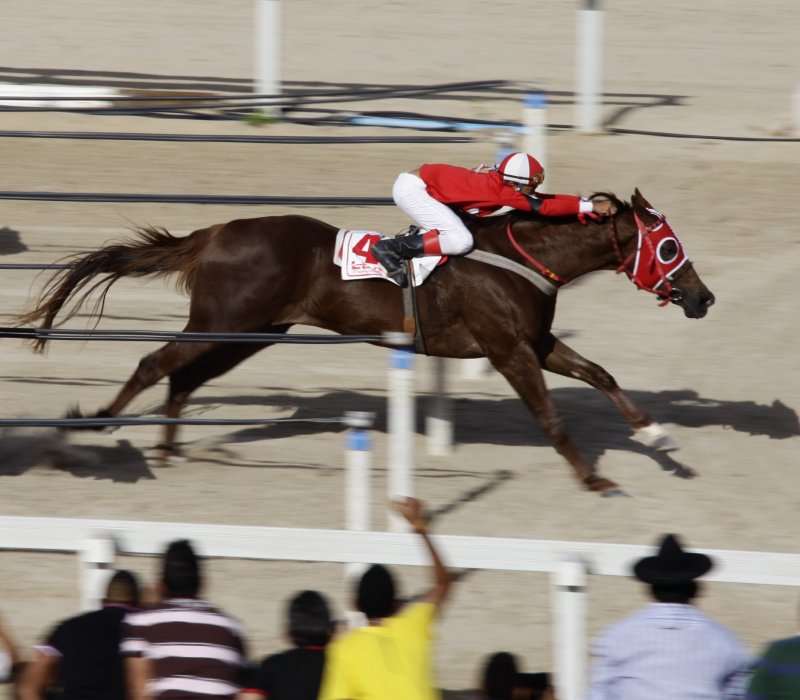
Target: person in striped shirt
183,647
669,650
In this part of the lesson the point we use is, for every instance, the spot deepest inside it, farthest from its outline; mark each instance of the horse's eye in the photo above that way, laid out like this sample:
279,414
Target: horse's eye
667,250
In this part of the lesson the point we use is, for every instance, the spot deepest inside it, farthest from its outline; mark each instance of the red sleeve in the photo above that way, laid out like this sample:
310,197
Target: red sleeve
560,205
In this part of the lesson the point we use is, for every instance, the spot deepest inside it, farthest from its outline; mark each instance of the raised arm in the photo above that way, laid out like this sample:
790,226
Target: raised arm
411,509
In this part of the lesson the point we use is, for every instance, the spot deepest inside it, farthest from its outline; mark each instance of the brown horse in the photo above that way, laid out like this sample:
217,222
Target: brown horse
267,274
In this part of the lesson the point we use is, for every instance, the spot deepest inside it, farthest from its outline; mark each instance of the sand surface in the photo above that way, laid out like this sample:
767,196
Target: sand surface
726,386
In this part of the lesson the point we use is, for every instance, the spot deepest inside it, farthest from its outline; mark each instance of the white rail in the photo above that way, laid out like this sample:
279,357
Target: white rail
301,544
568,562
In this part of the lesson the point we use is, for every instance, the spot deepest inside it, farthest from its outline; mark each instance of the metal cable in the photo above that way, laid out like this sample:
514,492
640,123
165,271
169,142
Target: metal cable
187,337
199,199
104,422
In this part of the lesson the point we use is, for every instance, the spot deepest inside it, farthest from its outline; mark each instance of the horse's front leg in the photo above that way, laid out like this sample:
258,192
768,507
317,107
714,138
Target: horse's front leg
521,368
557,357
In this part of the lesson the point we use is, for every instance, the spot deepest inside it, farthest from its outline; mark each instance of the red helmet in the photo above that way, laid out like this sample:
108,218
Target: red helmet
521,169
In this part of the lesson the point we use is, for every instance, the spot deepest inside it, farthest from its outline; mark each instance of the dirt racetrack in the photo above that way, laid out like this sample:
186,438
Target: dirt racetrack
725,386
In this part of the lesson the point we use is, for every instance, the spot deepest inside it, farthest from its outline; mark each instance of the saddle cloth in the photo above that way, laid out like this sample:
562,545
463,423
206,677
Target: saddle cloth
352,254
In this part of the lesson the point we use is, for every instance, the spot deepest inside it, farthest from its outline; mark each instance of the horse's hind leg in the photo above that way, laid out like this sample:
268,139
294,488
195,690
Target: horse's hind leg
151,369
559,358
185,380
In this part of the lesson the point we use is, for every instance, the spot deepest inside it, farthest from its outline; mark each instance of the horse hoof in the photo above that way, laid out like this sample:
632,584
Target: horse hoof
655,437
168,456
599,483
615,492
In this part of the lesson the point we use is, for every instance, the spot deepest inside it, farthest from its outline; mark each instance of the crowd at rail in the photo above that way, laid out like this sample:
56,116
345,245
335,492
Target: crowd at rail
170,643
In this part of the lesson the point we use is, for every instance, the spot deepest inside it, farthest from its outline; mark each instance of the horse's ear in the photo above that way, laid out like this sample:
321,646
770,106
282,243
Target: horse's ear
636,202
642,207
642,200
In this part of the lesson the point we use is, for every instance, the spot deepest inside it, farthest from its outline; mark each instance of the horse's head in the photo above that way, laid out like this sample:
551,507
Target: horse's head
659,264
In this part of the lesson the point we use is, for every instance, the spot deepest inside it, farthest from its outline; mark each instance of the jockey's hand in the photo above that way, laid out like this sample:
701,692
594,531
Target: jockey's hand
584,217
603,207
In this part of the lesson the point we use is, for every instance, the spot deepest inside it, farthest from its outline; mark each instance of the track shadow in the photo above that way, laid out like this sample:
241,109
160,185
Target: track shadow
23,449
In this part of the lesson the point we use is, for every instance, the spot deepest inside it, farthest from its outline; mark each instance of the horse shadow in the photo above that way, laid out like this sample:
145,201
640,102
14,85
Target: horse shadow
23,449
594,424
11,242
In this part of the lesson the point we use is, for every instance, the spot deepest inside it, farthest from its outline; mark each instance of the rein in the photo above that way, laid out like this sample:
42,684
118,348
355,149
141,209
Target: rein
624,262
544,271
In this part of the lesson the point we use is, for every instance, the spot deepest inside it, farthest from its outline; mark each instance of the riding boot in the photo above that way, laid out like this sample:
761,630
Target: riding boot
391,252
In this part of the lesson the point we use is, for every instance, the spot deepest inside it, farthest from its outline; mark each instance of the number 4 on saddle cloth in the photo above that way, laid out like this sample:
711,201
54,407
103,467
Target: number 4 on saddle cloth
353,254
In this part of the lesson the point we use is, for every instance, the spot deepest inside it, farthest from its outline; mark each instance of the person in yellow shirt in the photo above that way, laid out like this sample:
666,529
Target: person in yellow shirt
391,657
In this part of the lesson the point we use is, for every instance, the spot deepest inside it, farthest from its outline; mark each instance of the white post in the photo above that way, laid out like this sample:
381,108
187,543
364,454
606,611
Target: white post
475,368
506,145
267,49
589,65
569,628
401,425
357,481
439,423
535,122
95,562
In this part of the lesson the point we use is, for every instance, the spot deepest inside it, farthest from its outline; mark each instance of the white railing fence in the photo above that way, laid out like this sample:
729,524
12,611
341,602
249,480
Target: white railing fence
97,541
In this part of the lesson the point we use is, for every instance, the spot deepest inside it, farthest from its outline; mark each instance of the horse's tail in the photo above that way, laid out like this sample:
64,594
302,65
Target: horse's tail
154,251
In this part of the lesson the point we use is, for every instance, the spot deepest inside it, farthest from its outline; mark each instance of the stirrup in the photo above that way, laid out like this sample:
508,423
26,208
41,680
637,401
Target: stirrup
391,262
399,275
412,230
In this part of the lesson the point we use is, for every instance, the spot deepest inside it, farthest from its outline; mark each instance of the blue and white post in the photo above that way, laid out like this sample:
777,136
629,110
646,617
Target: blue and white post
401,424
358,491
439,422
589,63
535,125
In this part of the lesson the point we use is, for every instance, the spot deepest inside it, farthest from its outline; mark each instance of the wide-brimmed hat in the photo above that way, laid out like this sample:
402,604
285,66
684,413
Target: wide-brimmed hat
672,565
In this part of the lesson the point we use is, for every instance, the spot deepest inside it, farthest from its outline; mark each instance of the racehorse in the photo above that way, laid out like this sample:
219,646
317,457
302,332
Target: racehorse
267,274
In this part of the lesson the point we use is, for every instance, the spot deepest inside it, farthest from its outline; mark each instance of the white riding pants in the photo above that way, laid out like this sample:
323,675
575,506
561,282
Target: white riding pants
410,195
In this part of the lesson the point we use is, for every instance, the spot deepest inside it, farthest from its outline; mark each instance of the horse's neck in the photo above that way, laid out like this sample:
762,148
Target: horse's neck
570,249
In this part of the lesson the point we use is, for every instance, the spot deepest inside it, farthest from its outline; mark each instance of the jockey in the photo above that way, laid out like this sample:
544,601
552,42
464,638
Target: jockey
427,193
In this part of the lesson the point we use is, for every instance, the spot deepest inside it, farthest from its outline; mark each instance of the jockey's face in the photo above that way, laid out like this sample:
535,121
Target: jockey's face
532,184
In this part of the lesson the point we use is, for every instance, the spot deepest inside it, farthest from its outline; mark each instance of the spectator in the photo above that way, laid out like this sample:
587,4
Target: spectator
669,650
81,655
390,658
296,674
9,655
183,647
777,674
502,681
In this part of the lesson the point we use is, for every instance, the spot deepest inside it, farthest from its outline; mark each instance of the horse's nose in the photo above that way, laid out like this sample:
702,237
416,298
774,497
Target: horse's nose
707,299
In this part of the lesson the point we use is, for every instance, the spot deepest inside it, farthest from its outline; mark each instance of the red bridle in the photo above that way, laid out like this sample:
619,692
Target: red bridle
543,271
649,271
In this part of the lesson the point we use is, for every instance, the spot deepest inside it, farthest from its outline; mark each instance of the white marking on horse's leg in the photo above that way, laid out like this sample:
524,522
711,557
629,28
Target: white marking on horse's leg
655,436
